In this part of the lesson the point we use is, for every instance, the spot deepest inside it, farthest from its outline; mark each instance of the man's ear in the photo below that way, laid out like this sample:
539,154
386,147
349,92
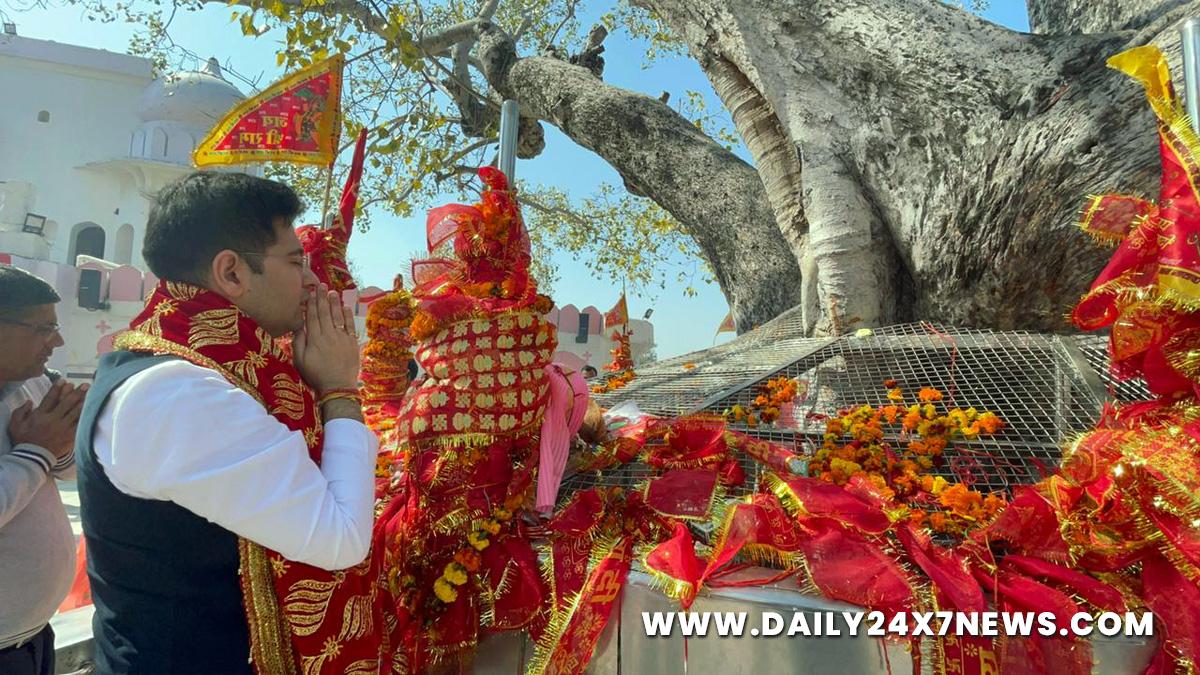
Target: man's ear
228,274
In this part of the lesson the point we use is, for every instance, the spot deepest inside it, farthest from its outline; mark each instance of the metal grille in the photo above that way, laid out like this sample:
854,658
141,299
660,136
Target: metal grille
1046,388
1095,349
667,388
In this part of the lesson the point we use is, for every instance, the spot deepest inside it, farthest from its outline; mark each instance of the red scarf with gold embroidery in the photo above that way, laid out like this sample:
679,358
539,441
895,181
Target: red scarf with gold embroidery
302,619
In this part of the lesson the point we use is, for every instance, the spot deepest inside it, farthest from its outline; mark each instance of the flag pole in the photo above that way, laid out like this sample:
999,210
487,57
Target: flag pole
510,117
626,299
337,139
328,189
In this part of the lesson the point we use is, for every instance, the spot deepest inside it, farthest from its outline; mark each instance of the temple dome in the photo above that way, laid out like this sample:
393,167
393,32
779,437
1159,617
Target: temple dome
196,99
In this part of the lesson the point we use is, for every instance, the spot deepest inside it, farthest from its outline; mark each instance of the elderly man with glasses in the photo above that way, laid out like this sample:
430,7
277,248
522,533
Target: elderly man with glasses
38,415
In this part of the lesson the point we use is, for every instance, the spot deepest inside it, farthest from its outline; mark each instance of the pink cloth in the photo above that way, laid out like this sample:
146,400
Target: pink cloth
564,416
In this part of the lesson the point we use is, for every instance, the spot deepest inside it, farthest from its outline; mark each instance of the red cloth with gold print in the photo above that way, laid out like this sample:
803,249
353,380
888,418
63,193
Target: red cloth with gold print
456,550
302,619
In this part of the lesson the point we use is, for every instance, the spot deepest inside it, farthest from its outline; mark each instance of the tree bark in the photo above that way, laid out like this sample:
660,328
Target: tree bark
718,198
945,158
1093,16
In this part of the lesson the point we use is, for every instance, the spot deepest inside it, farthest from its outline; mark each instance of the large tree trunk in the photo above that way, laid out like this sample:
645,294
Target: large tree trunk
718,198
1093,16
945,158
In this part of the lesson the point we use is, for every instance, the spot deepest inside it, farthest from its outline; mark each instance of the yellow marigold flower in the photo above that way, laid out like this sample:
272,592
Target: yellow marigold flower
491,526
895,394
455,574
444,591
845,466
939,485
478,540
502,514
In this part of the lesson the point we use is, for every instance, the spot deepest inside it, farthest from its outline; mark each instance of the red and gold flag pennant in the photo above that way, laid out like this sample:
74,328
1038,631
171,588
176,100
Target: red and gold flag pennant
618,315
294,120
727,325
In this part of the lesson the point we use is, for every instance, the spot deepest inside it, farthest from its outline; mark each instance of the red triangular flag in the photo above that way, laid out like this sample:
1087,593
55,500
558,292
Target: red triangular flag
619,314
294,120
727,325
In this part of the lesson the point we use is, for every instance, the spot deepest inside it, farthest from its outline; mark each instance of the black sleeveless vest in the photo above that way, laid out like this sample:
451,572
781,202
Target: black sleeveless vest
164,580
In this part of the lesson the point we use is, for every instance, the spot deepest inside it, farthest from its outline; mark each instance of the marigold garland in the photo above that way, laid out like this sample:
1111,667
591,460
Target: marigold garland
621,365
384,371
466,561
854,445
766,406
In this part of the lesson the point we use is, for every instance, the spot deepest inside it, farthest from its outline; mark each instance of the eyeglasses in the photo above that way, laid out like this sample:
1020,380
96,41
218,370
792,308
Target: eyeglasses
44,330
301,259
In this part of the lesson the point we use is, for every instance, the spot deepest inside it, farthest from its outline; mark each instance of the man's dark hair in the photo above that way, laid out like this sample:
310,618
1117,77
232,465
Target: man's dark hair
200,215
20,290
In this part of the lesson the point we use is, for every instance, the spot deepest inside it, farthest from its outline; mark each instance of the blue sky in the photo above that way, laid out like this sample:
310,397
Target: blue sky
682,324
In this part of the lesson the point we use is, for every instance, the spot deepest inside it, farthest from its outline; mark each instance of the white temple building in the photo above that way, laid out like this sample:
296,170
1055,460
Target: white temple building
87,138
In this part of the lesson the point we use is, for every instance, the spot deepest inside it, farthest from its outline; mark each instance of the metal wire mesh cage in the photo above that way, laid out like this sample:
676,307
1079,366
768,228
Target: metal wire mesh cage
1046,388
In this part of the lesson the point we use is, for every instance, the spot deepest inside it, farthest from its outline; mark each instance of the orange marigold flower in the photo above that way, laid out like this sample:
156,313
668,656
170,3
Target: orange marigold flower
960,499
990,423
423,326
937,521
469,559
928,394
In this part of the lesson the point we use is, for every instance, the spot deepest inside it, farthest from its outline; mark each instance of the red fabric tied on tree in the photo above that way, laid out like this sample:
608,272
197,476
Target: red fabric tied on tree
812,497
674,561
946,569
489,272
846,566
683,493
1098,593
1173,598
687,442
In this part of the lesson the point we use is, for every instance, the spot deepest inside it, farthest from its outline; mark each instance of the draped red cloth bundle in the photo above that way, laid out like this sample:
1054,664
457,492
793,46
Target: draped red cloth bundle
453,538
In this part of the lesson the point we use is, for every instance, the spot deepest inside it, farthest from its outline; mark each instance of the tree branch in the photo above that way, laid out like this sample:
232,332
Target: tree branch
567,16
717,198
566,214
